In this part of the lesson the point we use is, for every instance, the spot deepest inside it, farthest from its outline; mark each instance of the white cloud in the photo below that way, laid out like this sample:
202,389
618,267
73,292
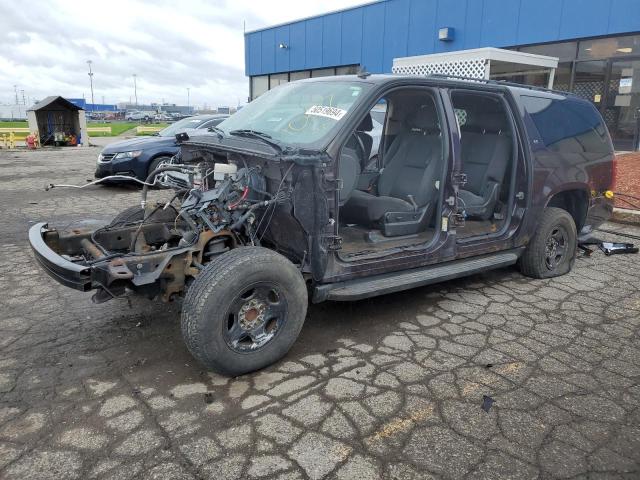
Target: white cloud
169,45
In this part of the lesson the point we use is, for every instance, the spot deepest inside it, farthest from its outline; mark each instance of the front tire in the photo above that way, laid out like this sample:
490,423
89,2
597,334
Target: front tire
244,310
135,214
552,250
155,163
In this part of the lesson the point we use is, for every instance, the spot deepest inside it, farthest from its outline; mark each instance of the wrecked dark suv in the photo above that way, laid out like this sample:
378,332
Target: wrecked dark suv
283,203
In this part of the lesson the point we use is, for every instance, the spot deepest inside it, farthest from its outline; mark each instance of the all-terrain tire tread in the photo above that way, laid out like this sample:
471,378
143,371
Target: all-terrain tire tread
214,273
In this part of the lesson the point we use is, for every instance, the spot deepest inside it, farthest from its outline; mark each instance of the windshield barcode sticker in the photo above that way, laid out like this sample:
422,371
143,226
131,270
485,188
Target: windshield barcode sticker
328,112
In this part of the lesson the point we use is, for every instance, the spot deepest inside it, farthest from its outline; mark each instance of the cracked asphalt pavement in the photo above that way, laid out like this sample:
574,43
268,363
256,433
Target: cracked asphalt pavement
387,388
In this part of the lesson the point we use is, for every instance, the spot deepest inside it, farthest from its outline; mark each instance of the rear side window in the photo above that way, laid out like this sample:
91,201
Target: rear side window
568,125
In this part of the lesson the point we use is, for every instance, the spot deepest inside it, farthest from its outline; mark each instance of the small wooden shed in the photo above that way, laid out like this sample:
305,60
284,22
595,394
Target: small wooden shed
58,122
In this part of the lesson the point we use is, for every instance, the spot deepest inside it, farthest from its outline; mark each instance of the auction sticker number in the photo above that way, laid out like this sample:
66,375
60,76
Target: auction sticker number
328,112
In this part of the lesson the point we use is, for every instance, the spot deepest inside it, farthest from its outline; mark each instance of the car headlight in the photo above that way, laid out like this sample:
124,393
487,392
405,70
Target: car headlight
127,155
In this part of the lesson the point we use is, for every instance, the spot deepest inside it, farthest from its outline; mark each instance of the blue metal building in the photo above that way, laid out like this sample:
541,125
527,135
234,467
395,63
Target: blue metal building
93,107
597,42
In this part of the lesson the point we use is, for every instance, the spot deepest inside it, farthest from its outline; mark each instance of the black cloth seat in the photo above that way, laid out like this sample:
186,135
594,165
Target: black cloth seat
354,157
486,154
412,168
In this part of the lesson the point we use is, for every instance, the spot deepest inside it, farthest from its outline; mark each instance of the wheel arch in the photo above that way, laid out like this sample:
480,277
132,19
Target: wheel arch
575,201
155,156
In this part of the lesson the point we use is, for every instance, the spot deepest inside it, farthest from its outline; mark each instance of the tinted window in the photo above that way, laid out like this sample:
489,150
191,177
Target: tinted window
568,125
181,126
212,123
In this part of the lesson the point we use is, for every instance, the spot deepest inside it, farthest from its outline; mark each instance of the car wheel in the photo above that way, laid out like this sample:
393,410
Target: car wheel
135,214
552,250
155,163
244,310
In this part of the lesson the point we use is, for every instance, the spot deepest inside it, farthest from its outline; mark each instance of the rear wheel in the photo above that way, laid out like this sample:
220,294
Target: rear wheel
244,310
552,250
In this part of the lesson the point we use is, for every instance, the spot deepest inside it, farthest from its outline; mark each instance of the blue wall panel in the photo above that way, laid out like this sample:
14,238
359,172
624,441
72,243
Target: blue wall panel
450,13
396,33
314,47
584,18
297,46
351,37
624,16
372,35
255,55
268,48
332,33
282,54
473,25
536,24
500,23
422,21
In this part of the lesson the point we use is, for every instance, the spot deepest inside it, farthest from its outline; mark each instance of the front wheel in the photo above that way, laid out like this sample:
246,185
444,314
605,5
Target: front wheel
155,164
244,310
552,250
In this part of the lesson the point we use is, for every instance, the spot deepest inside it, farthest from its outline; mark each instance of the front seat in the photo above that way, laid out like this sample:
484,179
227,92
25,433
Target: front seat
354,157
486,153
407,185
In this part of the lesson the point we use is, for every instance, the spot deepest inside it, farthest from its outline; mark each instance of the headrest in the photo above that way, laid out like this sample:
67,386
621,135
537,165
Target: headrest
491,122
424,118
366,125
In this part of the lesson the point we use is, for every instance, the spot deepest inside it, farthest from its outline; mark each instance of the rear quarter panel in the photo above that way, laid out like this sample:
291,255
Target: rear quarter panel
570,150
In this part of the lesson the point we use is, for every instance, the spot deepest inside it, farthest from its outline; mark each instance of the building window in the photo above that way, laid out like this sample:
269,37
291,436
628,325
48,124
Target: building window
348,70
299,75
564,51
278,79
609,47
525,74
589,80
259,85
562,78
323,72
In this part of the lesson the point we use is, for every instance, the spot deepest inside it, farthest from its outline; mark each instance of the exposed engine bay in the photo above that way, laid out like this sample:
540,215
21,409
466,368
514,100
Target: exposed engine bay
221,201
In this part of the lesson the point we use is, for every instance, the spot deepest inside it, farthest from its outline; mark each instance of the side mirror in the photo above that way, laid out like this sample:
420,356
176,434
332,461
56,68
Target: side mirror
182,137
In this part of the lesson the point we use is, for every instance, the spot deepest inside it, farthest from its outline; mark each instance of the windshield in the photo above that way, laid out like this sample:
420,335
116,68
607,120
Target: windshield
299,113
182,125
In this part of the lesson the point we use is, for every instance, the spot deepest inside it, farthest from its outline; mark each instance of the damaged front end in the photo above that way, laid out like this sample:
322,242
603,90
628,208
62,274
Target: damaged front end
229,200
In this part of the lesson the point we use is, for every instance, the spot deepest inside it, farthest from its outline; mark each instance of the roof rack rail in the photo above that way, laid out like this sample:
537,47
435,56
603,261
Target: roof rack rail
498,82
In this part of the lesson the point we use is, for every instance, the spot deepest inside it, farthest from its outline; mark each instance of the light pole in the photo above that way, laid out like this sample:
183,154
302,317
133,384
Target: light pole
188,100
135,88
91,82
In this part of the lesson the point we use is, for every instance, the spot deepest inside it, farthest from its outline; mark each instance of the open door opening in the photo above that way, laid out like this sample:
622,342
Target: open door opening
391,181
487,156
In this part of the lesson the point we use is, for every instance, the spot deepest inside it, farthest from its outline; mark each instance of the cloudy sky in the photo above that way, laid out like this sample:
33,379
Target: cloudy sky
169,44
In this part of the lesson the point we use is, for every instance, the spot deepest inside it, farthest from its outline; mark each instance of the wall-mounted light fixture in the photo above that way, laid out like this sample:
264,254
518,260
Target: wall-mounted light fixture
283,46
446,34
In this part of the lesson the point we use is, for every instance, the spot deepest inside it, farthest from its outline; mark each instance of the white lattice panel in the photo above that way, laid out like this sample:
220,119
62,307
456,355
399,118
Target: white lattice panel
461,68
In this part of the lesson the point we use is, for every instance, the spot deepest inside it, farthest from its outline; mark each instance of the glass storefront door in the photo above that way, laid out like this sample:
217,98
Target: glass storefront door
622,103
589,79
